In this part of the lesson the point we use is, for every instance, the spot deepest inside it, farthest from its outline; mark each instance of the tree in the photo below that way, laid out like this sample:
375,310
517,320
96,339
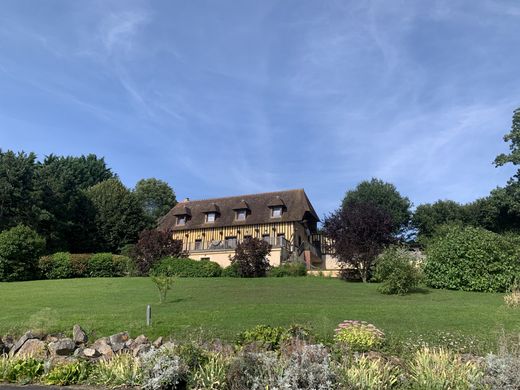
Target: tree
119,218
20,248
359,232
152,246
18,203
251,258
156,198
68,223
384,196
428,217
513,138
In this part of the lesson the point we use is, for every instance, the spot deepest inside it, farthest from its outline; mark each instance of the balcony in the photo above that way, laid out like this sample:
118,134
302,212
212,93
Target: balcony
227,244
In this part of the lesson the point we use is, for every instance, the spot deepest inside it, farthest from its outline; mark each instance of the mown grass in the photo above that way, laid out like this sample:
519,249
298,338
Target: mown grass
222,307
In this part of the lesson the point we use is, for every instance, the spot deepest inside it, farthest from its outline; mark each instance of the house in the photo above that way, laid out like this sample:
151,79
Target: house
211,228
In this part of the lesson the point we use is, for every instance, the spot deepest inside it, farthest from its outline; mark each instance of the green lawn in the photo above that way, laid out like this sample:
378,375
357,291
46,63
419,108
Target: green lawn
221,307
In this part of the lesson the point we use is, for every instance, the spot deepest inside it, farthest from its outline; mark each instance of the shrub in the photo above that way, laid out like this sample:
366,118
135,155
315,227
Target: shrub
366,374
231,271
192,355
471,259
502,372
164,284
441,369
101,265
254,370
267,336
152,246
288,269
122,265
56,266
20,248
308,368
513,298
211,375
79,264
396,271
163,369
358,336
122,370
251,258
67,374
23,371
187,268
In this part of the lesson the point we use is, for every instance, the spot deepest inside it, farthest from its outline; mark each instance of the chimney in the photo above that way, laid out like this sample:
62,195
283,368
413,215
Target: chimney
185,200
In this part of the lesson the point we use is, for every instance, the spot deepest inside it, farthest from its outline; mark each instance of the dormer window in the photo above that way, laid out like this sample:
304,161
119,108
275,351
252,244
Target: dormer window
276,212
210,217
181,220
241,215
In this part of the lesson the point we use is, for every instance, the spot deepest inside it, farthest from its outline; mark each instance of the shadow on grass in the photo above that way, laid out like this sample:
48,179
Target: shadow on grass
420,290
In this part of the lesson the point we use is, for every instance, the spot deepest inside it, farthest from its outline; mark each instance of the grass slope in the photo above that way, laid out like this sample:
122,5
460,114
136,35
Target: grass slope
222,307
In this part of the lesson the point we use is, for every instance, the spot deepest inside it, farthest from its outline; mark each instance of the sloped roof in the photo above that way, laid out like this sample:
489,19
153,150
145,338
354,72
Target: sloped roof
297,207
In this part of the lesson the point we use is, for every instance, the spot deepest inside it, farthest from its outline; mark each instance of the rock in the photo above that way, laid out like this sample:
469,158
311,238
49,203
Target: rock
142,339
78,352
119,338
8,343
3,348
102,347
50,338
90,353
78,335
33,348
21,341
140,349
63,347
157,343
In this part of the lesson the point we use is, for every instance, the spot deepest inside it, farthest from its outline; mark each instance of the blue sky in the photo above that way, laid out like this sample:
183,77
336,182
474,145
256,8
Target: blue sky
228,97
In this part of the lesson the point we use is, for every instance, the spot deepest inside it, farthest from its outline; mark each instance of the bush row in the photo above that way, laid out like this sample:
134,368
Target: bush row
472,259
63,265
188,268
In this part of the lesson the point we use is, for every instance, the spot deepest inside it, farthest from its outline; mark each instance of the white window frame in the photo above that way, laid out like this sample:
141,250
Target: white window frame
241,213
181,220
277,212
214,216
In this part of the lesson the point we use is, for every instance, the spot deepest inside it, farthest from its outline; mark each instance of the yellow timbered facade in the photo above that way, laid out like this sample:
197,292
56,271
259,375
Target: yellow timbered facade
211,228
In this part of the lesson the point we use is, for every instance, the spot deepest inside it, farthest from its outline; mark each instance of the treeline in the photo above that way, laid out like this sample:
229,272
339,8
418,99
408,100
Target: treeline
472,246
77,204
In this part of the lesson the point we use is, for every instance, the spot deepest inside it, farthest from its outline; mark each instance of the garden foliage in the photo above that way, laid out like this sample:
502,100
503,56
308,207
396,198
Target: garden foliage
251,258
20,248
187,268
358,336
152,246
288,269
397,271
64,265
472,259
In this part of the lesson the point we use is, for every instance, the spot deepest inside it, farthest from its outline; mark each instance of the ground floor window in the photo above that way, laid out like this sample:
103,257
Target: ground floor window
198,244
231,242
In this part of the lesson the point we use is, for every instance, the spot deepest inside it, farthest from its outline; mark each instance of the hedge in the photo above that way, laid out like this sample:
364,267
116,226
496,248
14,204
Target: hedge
472,259
63,265
288,269
187,268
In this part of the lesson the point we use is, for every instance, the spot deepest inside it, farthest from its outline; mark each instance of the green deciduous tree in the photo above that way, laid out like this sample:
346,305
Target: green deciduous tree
156,198
118,215
428,217
384,196
20,248
513,138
